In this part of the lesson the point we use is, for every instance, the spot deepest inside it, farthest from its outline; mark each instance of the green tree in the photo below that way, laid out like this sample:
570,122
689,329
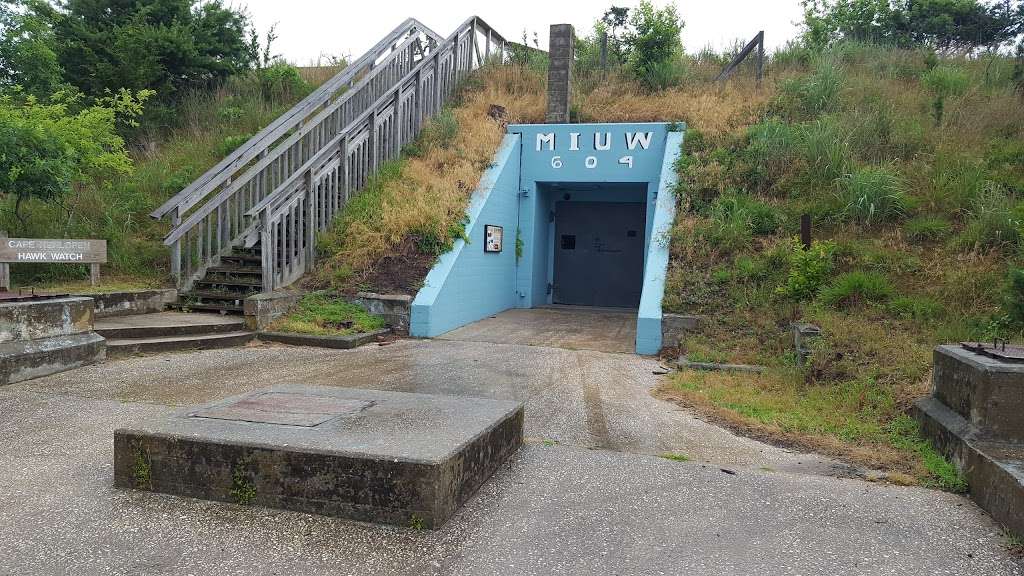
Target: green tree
654,45
162,45
27,56
948,25
48,149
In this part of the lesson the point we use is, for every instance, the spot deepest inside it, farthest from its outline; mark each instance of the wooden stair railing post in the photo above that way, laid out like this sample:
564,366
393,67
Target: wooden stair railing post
267,254
176,250
311,220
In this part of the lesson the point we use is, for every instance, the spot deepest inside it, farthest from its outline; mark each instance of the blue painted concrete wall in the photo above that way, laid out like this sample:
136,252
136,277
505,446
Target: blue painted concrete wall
565,153
648,323
468,284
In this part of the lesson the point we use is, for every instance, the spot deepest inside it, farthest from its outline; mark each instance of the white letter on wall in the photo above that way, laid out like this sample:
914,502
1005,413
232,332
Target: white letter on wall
548,138
641,138
574,140
606,145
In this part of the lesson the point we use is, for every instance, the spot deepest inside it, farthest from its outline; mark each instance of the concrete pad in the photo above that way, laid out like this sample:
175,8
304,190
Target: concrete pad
389,457
553,510
569,327
573,397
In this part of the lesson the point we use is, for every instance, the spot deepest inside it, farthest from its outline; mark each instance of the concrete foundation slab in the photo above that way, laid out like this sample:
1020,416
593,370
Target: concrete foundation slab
370,455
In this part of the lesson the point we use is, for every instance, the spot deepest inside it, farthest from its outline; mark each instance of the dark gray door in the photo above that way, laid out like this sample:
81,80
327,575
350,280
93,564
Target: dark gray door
599,253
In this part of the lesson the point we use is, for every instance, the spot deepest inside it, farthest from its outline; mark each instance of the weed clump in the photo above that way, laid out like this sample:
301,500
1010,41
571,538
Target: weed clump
854,288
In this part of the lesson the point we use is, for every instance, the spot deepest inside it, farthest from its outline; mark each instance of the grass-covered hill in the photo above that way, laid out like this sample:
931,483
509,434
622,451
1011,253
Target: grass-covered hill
910,165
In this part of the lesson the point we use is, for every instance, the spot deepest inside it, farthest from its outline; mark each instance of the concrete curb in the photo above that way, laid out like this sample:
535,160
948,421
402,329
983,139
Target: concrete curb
685,364
338,342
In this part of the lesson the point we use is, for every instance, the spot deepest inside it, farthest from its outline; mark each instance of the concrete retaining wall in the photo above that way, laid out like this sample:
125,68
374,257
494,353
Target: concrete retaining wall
34,319
42,337
262,309
134,302
396,309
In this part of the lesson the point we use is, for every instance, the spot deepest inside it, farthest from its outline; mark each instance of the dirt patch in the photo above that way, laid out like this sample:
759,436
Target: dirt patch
399,272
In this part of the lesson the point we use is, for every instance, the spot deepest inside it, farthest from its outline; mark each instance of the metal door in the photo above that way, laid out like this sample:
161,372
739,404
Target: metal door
599,253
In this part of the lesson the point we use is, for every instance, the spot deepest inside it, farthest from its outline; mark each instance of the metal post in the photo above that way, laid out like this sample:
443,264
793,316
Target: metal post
805,231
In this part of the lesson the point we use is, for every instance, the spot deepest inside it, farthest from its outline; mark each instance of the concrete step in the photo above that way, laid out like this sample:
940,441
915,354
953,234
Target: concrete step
120,347
167,324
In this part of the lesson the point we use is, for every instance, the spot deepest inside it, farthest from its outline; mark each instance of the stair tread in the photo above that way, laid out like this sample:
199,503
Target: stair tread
235,270
115,342
217,294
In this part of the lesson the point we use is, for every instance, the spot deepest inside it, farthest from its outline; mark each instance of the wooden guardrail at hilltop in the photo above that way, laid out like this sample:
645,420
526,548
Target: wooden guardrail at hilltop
288,181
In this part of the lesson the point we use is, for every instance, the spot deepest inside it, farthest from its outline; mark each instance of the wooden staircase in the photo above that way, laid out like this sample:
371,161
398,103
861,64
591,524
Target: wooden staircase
287,182
224,288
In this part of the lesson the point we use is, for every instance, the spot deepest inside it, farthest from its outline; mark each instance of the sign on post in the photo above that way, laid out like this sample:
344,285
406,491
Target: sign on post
55,251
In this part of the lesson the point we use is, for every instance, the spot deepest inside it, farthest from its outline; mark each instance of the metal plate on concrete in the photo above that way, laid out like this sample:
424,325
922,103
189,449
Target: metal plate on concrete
292,409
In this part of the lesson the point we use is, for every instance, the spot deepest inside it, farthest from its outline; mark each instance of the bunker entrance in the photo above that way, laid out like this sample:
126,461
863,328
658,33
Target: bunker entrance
599,254
598,243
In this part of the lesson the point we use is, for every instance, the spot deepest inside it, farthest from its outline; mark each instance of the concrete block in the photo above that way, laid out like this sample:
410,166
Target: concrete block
993,468
396,309
26,359
339,342
133,302
262,309
34,319
675,326
368,455
987,392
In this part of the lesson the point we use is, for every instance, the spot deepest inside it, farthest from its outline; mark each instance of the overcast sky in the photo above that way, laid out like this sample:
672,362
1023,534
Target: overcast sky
308,28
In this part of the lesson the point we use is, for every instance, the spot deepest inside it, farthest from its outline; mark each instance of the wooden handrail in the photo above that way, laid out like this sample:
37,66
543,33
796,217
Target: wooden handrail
197,190
287,182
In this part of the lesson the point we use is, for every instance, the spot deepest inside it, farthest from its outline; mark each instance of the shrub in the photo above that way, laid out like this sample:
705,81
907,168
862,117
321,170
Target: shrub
231,143
824,144
946,80
281,82
439,132
815,94
855,288
995,221
654,46
808,269
735,218
871,195
772,146
927,228
920,308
